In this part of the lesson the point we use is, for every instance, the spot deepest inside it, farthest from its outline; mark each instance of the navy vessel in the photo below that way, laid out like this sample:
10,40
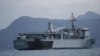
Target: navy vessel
55,38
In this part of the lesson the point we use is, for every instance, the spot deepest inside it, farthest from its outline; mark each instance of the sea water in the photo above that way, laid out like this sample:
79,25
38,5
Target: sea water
52,52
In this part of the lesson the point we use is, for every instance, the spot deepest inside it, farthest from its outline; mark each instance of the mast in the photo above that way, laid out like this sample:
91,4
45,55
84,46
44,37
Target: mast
72,20
50,29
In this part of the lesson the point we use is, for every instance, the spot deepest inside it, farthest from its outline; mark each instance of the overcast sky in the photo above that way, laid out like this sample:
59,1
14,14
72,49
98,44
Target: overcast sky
61,9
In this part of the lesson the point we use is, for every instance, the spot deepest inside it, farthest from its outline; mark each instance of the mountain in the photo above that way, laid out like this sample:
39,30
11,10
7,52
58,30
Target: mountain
89,15
30,24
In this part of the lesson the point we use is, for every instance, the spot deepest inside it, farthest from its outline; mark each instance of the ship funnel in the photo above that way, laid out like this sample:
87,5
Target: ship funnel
50,28
72,20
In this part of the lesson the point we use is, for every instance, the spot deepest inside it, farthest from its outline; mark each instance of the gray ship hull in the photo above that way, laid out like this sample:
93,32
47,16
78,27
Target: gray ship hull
32,45
55,44
72,43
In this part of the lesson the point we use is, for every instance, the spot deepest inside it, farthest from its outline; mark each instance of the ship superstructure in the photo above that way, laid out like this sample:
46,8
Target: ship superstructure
55,38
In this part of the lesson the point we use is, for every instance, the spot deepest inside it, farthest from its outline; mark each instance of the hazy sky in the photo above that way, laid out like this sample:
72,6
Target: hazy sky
61,9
